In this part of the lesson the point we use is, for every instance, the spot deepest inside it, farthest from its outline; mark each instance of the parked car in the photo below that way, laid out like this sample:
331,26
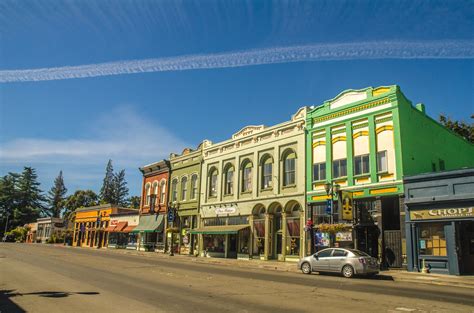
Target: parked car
348,262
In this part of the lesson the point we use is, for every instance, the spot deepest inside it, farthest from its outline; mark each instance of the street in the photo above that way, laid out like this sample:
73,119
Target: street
44,278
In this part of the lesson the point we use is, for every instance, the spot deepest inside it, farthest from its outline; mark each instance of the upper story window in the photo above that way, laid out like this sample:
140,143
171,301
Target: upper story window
247,176
361,164
163,192
194,186
319,171
174,190
339,168
289,168
184,188
213,183
155,191
382,162
147,194
267,171
229,181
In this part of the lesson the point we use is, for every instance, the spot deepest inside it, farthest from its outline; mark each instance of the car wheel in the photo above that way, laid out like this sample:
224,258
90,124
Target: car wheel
347,271
306,268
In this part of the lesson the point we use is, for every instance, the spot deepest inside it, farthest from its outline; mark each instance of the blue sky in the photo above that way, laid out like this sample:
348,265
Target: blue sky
76,125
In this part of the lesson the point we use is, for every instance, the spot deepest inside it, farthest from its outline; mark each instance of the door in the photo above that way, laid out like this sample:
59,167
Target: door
465,247
232,246
320,260
337,260
393,248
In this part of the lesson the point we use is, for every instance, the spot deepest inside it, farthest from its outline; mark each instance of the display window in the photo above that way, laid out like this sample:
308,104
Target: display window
214,243
432,239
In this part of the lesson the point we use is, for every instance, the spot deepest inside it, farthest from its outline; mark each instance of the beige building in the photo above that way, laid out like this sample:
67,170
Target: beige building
253,193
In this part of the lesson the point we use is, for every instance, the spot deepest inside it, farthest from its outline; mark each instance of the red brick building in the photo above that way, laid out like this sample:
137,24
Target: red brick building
153,206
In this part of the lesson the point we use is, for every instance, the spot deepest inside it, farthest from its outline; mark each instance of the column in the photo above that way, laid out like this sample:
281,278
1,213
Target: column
251,237
266,250
283,235
372,150
74,235
349,155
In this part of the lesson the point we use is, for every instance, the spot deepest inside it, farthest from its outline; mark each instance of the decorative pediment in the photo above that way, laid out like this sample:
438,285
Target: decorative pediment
300,114
348,97
248,130
186,151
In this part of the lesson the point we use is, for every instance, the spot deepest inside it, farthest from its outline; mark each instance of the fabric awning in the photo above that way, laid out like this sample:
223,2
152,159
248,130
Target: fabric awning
129,229
150,223
120,226
110,228
219,230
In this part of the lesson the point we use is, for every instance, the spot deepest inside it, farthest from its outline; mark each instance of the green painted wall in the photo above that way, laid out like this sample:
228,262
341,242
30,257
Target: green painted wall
425,142
186,165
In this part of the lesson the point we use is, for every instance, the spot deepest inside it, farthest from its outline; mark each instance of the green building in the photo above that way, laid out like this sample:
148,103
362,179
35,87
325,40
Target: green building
184,198
359,147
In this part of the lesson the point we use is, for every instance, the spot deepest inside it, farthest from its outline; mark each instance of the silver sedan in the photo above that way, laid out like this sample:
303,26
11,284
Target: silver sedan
349,262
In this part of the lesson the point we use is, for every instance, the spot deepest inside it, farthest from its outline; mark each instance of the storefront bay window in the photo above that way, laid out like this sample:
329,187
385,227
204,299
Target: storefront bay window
259,236
214,243
432,240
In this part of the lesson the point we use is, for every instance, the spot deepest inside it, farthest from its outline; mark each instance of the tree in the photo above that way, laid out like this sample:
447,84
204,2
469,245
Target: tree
56,197
134,202
80,198
460,127
8,199
120,189
30,201
107,191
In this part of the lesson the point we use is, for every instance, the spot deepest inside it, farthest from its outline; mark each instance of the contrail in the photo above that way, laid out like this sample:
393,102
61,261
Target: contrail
455,49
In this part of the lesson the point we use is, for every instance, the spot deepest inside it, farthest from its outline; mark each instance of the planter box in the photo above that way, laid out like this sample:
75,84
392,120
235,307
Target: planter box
243,256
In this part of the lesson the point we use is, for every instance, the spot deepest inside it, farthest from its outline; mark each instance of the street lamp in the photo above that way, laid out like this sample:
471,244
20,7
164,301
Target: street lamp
172,210
332,189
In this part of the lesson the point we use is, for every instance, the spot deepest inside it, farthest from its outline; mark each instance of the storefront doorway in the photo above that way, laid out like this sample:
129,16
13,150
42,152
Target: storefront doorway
465,243
232,252
367,239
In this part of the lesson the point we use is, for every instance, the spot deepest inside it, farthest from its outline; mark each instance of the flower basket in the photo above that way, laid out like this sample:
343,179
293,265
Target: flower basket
332,228
172,230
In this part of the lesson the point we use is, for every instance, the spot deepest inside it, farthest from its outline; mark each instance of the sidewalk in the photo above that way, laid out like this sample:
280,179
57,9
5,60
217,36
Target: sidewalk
394,274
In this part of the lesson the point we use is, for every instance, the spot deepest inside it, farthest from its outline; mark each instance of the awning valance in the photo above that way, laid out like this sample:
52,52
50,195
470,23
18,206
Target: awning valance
120,226
150,223
219,230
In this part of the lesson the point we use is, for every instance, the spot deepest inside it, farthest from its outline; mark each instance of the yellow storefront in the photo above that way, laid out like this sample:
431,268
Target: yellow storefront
90,226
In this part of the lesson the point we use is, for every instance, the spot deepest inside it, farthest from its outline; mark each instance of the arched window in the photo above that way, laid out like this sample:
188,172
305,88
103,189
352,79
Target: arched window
147,194
289,168
247,176
194,186
184,188
213,183
163,192
267,172
229,180
155,191
174,190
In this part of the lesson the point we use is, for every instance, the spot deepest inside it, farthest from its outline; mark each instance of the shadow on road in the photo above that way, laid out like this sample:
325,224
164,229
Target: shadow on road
362,277
7,305
47,294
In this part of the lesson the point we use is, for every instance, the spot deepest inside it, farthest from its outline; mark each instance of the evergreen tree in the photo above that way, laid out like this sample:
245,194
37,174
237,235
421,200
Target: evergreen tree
56,197
120,189
462,128
30,198
107,191
80,199
8,199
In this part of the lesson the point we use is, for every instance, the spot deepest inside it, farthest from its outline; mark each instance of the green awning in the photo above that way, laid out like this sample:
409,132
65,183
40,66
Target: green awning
150,223
219,230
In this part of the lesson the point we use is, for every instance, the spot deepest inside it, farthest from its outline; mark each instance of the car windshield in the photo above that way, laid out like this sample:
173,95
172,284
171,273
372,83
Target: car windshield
359,253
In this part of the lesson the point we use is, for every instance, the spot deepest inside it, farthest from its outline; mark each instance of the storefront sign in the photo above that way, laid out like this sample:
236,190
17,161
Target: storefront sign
344,236
441,213
229,210
321,239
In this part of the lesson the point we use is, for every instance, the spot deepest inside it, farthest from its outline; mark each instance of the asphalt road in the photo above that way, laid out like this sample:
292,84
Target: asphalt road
42,278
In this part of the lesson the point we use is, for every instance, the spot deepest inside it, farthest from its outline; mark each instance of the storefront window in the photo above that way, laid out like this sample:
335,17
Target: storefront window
244,240
259,237
432,239
293,236
214,243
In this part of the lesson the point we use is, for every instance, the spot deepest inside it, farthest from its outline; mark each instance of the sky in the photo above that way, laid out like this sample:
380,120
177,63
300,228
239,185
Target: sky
82,82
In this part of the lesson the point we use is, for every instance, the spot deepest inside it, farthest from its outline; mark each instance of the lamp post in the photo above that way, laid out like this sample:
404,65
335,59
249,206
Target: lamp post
332,189
171,217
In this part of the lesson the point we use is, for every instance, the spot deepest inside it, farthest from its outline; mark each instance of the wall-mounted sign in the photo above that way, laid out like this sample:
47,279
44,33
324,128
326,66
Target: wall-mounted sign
224,210
344,236
427,214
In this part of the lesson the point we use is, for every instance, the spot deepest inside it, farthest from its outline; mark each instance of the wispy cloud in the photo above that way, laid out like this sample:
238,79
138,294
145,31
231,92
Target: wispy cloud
123,136
455,49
